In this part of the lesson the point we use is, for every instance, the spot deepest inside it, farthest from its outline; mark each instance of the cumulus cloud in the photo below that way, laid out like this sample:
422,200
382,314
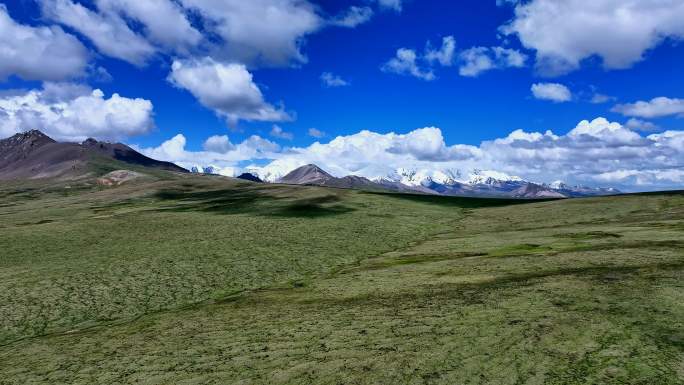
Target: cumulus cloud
563,33
218,143
218,150
331,80
594,152
38,53
164,21
641,125
73,112
258,32
228,89
554,92
316,133
108,32
278,132
443,55
353,17
405,62
473,61
655,108
477,60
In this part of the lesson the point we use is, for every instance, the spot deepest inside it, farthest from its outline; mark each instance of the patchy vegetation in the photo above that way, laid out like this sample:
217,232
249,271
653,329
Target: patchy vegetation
208,280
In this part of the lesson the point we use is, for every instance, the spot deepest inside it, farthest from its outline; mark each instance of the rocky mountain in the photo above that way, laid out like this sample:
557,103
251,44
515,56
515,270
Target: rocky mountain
121,152
532,190
311,174
308,174
477,183
250,177
34,155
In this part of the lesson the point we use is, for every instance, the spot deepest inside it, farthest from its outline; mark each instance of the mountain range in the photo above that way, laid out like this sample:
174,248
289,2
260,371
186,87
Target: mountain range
477,183
34,155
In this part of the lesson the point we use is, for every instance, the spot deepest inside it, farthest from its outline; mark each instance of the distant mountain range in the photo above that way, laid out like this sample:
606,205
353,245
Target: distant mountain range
477,183
34,155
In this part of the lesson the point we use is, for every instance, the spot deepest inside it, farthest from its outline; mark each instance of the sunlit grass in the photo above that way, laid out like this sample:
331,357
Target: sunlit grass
209,281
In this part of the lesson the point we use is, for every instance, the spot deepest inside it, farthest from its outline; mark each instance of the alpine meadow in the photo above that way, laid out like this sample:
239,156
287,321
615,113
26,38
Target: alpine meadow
341,192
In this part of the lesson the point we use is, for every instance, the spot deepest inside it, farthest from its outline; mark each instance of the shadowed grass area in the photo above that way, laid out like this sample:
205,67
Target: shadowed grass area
212,281
253,200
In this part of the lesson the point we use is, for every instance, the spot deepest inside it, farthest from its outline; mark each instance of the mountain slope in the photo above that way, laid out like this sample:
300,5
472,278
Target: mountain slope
311,174
250,177
308,174
34,155
477,184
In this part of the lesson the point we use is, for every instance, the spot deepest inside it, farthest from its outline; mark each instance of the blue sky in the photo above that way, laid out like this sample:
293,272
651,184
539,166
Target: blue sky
587,62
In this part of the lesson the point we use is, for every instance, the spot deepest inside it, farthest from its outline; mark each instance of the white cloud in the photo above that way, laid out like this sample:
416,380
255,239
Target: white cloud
641,125
278,132
218,151
476,60
164,21
443,55
263,32
228,89
563,33
405,63
594,152
408,62
38,53
390,4
218,143
70,112
255,32
108,32
473,61
584,155
316,133
353,17
656,108
554,92
331,80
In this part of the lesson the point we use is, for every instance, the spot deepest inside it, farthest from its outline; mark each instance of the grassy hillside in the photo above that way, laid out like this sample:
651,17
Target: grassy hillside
189,280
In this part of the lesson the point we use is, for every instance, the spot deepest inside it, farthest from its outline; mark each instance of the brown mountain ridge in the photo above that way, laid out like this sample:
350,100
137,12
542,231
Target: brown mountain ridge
34,155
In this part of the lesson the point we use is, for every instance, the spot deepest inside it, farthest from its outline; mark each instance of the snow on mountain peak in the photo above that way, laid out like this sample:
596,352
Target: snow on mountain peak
490,177
558,185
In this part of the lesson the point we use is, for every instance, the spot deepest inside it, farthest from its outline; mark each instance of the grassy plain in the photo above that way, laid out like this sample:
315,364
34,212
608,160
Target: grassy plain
194,280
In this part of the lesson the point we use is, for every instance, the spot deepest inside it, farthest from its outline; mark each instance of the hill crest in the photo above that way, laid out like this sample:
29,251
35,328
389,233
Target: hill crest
34,155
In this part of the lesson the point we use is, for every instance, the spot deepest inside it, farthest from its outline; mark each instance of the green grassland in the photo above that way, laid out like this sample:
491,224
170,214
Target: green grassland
176,279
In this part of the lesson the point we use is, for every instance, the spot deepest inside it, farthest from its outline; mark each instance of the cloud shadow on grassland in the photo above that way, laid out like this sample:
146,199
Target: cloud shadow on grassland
245,201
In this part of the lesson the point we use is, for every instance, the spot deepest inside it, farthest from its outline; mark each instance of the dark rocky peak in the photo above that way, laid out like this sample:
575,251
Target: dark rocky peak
90,142
308,174
21,144
250,177
32,138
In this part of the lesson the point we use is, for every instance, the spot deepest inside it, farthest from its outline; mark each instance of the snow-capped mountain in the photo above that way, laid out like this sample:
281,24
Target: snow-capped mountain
476,182
489,177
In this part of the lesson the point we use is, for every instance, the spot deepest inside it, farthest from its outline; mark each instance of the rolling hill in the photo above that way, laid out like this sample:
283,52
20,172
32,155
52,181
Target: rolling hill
34,155
183,278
